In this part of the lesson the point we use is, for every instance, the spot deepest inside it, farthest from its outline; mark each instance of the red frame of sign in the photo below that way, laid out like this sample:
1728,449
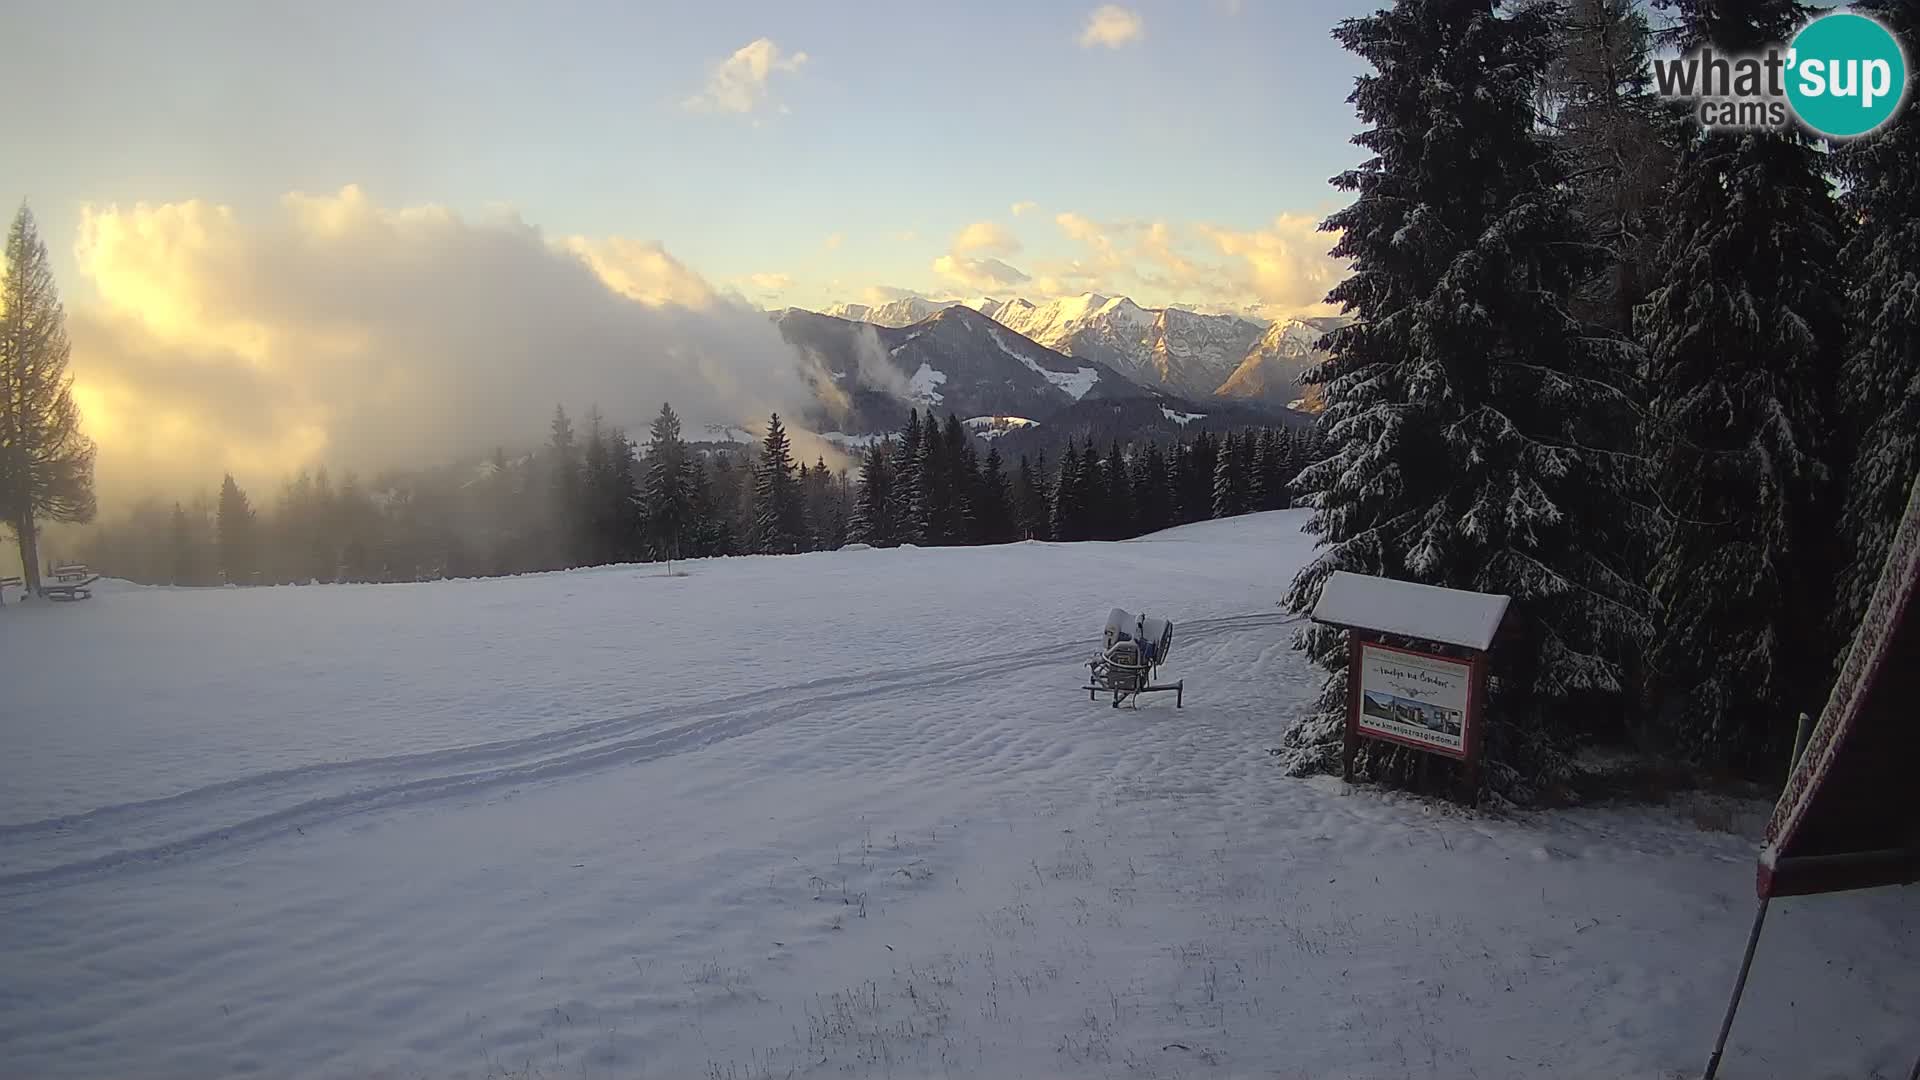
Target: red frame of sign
1470,724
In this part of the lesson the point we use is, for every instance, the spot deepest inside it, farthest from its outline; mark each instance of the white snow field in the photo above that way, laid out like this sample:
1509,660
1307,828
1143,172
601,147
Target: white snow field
827,815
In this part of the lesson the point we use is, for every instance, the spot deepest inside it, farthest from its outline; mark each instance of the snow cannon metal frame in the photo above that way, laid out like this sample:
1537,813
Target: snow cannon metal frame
1132,650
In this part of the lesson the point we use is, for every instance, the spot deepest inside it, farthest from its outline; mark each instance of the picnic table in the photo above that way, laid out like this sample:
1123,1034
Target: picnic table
70,582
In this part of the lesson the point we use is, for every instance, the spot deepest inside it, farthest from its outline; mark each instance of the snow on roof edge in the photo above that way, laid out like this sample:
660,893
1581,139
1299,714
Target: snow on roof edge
1410,609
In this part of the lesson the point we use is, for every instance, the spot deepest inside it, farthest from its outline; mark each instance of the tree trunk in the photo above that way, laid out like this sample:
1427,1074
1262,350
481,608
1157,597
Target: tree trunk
29,553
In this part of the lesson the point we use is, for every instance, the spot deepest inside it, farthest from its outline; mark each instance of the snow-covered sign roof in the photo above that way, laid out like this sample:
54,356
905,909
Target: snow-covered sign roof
1451,616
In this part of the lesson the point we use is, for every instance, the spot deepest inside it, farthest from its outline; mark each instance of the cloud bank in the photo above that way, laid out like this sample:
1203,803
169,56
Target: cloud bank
338,331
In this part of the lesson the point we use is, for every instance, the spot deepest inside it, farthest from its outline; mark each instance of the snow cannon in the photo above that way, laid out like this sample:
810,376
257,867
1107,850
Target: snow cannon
1132,649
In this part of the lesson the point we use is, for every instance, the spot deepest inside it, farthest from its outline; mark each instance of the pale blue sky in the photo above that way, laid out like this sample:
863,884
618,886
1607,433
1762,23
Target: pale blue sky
904,119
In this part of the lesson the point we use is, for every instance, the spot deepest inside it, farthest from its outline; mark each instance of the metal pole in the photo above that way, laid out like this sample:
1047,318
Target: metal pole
1803,729
1739,986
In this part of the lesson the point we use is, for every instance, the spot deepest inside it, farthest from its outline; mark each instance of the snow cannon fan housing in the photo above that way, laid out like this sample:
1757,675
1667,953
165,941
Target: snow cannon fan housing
1154,634
1132,649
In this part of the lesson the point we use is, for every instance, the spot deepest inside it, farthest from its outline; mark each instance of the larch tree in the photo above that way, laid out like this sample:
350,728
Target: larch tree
1620,140
1475,428
1744,333
46,462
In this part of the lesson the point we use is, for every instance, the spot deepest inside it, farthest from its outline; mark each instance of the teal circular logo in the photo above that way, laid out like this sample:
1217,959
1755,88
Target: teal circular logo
1846,75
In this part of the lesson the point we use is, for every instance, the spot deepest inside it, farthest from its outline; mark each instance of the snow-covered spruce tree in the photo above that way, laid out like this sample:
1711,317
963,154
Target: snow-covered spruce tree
1472,424
1880,381
1231,484
778,518
873,508
1744,335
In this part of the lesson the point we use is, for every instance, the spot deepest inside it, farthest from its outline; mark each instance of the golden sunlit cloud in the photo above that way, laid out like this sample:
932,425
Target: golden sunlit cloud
1111,26
335,330
987,237
771,282
977,275
1291,270
1023,206
738,84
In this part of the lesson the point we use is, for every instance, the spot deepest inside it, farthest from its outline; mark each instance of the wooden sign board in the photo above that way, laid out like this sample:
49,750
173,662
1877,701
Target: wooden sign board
1428,697
1418,699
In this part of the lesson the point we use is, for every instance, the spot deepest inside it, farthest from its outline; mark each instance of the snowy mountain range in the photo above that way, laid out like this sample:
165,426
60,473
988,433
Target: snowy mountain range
1274,365
1189,353
866,376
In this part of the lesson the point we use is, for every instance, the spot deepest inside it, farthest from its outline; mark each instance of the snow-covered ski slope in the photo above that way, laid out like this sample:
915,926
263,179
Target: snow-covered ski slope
833,814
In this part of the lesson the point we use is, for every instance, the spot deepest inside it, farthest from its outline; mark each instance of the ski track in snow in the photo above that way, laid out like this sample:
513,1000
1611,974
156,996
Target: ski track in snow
851,816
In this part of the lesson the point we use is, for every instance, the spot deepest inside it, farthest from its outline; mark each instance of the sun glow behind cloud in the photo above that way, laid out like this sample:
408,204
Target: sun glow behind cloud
340,331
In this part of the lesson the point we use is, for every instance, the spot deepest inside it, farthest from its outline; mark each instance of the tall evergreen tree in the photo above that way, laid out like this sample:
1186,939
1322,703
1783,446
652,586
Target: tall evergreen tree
779,519
963,476
1620,141
873,507
563,491
596,483
906,493
993,514
1179,462
1474,426
1287,455
670,484
804,483
1035,498
729,496
1118,498
1260,482
184,549
1203,461
1744,331
932,487
46,463
1151,499
235,524
1231,485
1069,498
1880,382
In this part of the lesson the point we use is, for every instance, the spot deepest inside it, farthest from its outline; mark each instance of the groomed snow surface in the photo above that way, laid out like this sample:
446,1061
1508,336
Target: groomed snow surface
827,815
